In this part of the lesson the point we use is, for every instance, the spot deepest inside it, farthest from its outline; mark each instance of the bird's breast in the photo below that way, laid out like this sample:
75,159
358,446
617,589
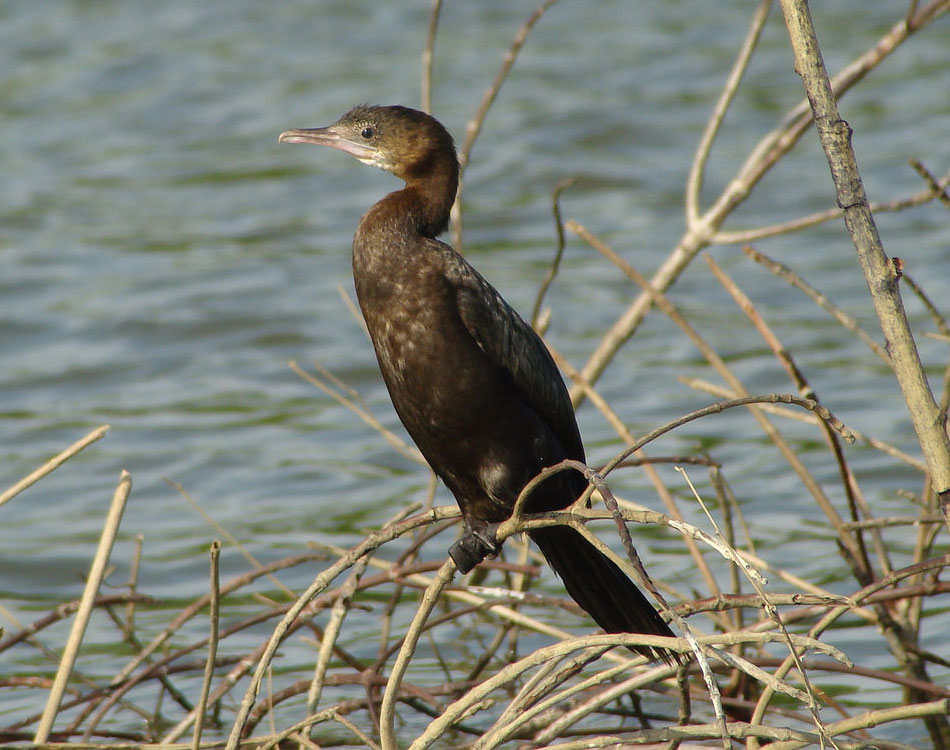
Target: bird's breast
462,408
436,374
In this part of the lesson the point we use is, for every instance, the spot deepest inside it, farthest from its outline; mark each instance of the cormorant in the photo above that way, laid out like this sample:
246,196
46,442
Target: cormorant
474,385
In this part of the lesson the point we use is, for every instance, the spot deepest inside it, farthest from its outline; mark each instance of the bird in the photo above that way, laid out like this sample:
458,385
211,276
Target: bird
474,385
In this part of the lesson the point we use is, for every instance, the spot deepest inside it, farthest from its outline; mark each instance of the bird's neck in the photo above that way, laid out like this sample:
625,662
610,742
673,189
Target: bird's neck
421,208
389,249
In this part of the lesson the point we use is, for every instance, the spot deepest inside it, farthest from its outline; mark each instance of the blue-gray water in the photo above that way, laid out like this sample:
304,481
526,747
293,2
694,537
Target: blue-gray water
163,258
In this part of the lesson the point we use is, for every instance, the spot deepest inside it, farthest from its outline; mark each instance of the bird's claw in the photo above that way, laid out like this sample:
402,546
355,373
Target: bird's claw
474,546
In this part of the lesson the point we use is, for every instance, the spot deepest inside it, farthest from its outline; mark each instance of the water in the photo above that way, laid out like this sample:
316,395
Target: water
163,258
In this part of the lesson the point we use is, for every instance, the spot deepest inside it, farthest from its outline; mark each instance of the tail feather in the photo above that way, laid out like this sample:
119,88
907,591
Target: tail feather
601,588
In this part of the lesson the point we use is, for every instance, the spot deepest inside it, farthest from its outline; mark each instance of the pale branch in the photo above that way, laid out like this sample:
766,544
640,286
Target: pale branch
881,273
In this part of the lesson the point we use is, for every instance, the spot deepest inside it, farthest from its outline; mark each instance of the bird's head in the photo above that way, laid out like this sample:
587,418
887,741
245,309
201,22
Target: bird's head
408,143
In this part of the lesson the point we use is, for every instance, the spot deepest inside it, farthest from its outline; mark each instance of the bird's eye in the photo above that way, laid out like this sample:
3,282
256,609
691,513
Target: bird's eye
368,132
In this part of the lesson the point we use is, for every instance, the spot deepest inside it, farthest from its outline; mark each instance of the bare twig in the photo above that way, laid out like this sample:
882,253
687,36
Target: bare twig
93,582
694,182
351,401
787,274
202,706
427,55
55,462
332,632
474,126
558,250
387,715
937,187
739,236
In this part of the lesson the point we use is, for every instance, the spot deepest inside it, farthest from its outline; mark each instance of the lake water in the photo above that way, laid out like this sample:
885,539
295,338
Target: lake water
163,258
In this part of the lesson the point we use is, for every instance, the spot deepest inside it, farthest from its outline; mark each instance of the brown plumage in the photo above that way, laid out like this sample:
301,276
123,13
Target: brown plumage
473,384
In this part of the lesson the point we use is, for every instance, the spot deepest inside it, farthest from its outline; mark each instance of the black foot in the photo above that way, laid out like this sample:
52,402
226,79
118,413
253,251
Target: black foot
473,547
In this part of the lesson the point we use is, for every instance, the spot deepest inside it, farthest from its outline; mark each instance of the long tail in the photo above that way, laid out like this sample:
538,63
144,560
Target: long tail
601,588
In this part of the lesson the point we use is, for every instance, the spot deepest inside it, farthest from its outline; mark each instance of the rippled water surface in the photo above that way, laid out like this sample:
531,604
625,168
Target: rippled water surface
163,259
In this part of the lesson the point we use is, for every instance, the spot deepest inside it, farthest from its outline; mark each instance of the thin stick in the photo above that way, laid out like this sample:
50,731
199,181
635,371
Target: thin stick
129,626
735,237
245,552
212,645
937,187
561,186
474,126
96,572
387,734
755,578
355,405
332,632
356,730
939,320
54,463
694,182
427,55
790,276
513,720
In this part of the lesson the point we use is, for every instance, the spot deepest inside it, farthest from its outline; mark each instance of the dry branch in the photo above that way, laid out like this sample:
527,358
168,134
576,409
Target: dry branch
879,271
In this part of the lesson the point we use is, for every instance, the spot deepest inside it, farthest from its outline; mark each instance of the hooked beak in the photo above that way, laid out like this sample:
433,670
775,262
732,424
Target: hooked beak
328,137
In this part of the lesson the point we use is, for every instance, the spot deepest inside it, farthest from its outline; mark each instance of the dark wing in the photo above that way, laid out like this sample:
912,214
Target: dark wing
513,345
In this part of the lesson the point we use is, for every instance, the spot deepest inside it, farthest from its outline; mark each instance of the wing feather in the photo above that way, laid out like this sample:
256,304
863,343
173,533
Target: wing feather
511,344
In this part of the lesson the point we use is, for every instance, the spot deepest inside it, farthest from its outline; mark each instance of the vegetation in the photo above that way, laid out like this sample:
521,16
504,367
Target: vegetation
451,668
